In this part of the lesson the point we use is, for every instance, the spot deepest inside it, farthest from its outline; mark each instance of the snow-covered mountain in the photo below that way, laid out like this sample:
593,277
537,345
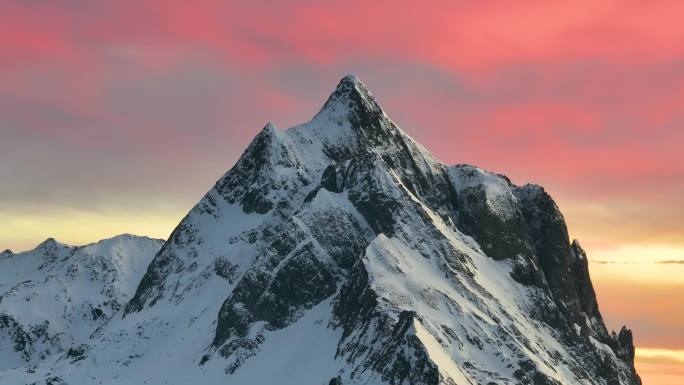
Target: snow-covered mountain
52,298
340,251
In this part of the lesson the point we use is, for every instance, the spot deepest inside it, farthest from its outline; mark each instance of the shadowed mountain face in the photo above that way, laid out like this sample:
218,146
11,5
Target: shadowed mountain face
341,252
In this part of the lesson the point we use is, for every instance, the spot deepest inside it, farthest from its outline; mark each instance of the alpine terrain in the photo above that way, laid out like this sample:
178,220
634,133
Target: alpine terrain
336,252
55,296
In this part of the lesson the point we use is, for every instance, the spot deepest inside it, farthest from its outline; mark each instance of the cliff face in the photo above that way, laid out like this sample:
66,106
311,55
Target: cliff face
341,252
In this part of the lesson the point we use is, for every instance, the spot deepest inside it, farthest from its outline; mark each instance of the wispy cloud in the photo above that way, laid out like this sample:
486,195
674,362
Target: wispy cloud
603,262
663,262
660,355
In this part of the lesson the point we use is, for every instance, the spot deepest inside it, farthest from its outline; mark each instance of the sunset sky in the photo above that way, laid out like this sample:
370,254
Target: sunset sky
118,116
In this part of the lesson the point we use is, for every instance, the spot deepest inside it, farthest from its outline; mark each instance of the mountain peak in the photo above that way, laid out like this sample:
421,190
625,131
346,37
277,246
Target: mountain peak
352,105
123,238
351,79
269,128
351,93
47,244
346,232
351,84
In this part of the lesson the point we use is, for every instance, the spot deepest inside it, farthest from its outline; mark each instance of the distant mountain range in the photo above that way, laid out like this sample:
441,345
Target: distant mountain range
339,251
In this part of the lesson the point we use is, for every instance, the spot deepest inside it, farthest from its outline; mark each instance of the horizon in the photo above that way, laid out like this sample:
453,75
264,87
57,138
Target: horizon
118,119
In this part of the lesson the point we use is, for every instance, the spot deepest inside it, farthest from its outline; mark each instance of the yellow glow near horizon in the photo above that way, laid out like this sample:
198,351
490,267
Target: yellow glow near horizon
660,366
76,227
654,353
610,261
638,263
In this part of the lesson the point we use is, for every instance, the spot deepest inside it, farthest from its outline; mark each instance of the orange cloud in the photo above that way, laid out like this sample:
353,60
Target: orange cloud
659,373
655,311
443,33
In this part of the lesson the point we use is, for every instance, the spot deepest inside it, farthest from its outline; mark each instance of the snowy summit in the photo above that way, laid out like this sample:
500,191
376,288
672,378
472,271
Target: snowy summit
335,252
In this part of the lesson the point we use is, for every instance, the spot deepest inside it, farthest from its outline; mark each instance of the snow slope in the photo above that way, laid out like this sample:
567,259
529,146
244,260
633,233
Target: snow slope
52,298
340,251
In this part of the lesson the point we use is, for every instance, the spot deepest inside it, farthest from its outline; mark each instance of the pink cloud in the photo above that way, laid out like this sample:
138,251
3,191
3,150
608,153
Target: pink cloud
583,95
452,35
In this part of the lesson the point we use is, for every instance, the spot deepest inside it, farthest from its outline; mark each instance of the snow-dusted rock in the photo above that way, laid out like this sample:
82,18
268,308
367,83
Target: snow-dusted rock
340,251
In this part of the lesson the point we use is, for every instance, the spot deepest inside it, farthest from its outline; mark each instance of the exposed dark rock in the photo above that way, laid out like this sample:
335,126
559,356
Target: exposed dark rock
333,178
403,358
552,246
299,284
583,285
97,313
77,353
500,238
225,269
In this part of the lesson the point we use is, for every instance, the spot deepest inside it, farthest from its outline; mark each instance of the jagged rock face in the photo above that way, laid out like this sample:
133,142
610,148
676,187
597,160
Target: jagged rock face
53,297
341,252
490,212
